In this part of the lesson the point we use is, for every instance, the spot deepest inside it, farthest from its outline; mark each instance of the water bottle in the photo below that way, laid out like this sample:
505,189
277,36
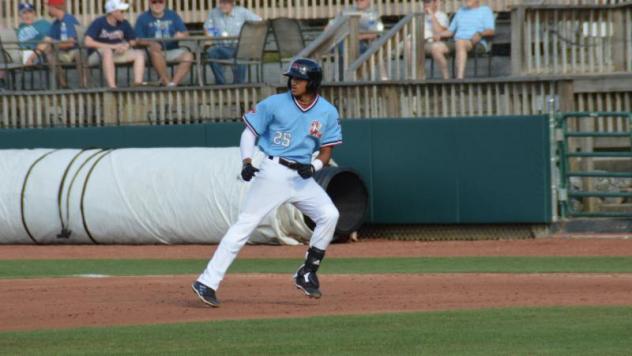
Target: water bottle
211,30
64,32
158,29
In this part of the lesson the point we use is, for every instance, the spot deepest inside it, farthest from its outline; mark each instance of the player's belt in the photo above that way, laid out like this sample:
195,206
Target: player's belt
285,162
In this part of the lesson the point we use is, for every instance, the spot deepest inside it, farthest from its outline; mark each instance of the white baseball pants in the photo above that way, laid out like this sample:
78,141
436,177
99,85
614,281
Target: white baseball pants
274,185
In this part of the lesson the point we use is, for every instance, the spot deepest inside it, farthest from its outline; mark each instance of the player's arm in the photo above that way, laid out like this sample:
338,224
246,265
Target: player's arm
247,149
324,155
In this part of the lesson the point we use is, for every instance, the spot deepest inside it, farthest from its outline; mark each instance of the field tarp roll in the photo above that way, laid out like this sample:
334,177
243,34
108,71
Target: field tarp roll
131,196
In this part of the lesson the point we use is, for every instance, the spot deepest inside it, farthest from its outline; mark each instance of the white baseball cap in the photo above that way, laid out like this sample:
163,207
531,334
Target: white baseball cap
113,5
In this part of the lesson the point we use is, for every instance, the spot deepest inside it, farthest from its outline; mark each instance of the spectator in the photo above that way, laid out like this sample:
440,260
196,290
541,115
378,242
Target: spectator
159,22
436,22
30,32
61,46
111,39
471,24
226,20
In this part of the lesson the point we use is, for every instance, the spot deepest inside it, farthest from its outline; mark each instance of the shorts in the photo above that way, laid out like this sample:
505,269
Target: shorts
26,54
479,49
67,57
127,57
173,55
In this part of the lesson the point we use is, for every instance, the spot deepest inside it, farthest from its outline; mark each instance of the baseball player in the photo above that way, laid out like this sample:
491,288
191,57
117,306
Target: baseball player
289,127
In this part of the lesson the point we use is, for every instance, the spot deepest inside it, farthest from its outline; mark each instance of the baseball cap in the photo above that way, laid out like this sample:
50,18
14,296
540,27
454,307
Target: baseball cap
25,6
56,2
113,5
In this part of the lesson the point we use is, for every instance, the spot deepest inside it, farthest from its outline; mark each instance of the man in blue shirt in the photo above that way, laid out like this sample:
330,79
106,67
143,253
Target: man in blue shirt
226,20
61,44
30,32
111,40
471,24
158,23
290,127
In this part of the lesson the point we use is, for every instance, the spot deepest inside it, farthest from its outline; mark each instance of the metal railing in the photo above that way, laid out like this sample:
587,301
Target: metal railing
554,39
396,55
579,195
336,47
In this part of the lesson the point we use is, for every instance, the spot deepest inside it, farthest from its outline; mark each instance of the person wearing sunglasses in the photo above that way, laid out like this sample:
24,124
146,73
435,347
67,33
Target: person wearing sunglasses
226,20
111,40
156,24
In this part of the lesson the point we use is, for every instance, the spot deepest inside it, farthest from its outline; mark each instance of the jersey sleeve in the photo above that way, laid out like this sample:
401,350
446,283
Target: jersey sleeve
257,120
333,131
93,30
179,24
71,27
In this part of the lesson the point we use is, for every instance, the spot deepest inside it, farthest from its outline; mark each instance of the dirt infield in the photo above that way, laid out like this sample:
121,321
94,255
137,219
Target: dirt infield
364,248
73,302
29,304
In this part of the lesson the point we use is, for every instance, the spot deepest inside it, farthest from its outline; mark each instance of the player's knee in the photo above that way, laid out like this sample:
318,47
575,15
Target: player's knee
330,215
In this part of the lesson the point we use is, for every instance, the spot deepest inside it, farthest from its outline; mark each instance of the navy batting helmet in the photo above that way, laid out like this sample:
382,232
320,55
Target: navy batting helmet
305,69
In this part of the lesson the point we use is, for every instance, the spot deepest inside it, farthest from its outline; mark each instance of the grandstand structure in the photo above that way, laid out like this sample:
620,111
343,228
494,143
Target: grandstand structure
557,55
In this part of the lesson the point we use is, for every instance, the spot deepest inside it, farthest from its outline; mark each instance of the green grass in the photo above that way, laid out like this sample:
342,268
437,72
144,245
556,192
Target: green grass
58,268
541,331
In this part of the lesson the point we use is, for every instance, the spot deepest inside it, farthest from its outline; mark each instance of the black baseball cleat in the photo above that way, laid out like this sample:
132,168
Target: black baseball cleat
307,282
206,294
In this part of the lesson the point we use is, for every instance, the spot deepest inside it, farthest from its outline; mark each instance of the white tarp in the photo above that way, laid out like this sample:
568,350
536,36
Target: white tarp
132,196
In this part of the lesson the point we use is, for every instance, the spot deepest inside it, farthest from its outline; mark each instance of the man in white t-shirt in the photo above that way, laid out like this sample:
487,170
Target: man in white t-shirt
436,22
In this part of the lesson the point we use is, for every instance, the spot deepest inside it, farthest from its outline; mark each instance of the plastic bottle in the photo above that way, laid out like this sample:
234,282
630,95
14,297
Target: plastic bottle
158,29
211,30
64,32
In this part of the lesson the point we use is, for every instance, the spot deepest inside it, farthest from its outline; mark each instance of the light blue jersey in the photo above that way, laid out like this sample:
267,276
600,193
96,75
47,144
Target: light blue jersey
287,130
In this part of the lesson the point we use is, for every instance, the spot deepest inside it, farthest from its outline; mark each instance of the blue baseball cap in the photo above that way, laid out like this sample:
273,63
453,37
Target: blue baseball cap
25,6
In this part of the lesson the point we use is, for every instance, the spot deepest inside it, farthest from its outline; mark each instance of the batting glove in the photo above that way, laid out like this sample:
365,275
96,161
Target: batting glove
306,170
248,171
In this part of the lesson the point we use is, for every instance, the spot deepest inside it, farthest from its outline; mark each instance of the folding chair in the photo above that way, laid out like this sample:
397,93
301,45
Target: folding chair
250,46
289,38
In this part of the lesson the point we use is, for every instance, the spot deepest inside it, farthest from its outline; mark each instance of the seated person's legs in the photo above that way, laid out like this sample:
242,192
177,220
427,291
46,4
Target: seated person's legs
106,57
159,62
462,47
439,50
219,52
185,59
110,58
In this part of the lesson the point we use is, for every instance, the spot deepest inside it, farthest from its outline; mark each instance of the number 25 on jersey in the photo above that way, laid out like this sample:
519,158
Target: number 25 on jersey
282,138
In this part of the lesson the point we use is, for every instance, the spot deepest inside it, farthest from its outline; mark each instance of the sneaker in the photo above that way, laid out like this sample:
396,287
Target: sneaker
307,282
206,294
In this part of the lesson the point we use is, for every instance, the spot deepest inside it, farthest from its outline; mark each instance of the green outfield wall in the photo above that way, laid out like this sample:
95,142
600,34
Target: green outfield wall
418,171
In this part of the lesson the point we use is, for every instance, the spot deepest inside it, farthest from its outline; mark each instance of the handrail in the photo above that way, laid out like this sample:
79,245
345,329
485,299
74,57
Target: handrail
327,39
415,42
375,46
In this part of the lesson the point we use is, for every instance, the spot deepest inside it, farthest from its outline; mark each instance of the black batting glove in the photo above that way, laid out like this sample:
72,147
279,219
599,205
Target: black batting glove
248,171
306,171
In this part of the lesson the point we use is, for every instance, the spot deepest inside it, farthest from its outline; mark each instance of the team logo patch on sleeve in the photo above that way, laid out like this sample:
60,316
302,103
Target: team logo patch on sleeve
315,129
